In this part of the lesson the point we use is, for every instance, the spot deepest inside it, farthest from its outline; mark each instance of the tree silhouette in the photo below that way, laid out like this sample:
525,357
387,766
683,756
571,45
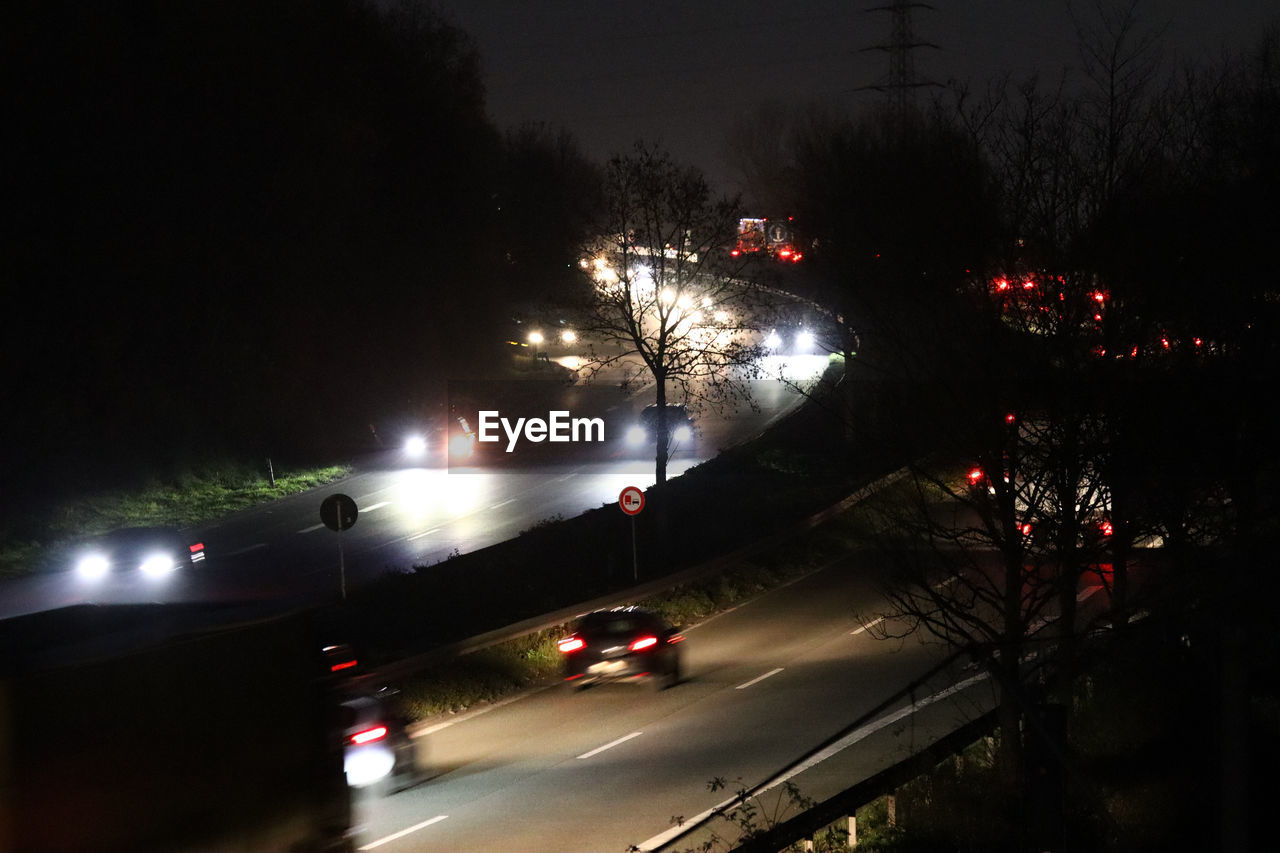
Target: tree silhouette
667,302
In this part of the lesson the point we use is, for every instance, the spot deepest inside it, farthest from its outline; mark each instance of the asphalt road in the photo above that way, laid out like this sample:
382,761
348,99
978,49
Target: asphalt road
598,770
411,514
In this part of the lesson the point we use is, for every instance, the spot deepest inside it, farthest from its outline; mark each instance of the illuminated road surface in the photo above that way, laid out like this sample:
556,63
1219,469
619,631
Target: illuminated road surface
600,769
410,516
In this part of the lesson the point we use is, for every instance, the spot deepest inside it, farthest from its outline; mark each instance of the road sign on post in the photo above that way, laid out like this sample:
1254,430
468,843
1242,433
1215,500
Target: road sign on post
632,501
338,512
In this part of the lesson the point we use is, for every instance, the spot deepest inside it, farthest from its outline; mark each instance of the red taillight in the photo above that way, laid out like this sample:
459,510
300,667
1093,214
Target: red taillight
571,644
376,733
341,665
976,476
1027,528
1106,528
643,643
197,548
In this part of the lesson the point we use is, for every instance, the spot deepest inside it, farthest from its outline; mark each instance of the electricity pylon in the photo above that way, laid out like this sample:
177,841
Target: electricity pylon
901,84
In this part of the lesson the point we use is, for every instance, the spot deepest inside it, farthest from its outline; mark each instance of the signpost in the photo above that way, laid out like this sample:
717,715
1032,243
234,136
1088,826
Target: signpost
338,512
632,501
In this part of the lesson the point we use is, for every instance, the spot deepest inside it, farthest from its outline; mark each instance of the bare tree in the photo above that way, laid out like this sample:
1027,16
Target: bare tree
668,303
1121,58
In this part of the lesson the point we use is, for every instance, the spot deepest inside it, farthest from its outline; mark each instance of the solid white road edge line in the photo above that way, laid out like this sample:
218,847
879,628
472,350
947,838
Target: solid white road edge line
610,745
311,529
842,744
875,622
866,627
372,507
758,679
417,536
402,833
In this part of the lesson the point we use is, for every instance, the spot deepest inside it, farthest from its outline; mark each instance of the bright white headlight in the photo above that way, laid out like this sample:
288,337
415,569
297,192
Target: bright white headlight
93,566
636,436
415,445
682,433
804,341
366,765
461,446
158,564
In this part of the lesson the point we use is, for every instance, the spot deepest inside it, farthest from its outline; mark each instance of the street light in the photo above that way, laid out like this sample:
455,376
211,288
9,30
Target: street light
535,338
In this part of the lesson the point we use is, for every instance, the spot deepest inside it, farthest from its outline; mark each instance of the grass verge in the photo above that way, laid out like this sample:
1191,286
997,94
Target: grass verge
192,499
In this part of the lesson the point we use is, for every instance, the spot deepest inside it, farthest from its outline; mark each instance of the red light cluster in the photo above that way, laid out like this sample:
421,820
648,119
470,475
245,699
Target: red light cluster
571,644
370,735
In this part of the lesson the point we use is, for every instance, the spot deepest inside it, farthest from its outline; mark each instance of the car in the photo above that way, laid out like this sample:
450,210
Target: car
622,643
448,439
680,429
376,747
149,551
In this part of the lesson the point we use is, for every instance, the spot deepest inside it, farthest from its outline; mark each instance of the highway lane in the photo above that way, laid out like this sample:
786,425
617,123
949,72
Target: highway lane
604,768
410,515
413,515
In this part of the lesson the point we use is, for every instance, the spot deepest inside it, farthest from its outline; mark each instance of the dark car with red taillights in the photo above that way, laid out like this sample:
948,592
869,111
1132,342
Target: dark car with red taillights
623,643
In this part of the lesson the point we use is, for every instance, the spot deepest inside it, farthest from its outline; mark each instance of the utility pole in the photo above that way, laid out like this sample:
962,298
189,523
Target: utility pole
901,83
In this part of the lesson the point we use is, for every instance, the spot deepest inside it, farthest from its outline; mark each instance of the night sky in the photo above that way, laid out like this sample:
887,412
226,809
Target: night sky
682,73
283,214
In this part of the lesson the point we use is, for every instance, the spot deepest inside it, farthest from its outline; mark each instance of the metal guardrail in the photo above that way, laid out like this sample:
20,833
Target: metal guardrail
806,824
906,692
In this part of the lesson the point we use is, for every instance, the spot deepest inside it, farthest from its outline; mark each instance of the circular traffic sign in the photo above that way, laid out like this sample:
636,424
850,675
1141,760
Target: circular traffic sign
631,500
338,512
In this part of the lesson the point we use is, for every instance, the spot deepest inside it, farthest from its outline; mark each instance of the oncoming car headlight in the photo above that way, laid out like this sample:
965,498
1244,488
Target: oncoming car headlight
461,446
158,564
415,446
93,566
636,436
682,433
